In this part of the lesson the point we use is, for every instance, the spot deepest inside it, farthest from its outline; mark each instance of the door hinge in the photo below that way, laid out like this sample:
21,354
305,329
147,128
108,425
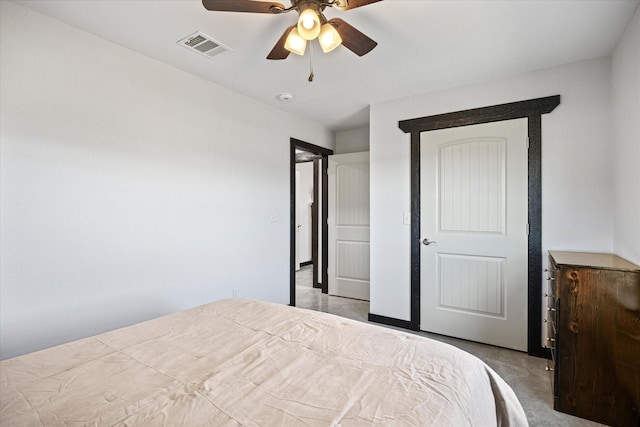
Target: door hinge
527,229
527,142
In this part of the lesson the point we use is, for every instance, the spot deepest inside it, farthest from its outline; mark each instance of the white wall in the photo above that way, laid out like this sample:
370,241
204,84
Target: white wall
352,141
626,141
303,207
576,168
129,189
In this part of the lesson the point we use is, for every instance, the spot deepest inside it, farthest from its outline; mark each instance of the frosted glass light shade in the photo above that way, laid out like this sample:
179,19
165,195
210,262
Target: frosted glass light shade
295,43
341,4
309,24
329,38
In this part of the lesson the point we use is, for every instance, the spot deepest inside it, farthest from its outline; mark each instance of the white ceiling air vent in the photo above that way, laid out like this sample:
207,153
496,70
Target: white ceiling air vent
203,44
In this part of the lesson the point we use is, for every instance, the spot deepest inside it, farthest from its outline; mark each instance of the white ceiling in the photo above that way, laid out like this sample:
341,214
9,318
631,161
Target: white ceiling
423,46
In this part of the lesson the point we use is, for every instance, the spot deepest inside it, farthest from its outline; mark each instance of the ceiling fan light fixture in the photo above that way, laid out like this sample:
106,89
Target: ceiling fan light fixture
309,25
295,43
309,21
329,38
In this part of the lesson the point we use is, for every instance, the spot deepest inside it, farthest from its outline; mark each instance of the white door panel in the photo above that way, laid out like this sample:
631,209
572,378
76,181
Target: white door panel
474,206
349,225
297,261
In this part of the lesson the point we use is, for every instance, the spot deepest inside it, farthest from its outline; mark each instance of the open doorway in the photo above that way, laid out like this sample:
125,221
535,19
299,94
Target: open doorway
307,209
303,152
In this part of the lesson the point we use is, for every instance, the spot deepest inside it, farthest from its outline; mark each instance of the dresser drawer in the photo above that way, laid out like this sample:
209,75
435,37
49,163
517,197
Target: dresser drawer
551,323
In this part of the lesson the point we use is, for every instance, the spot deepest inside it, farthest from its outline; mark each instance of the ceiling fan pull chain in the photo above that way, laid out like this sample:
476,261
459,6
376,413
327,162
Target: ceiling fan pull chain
311,62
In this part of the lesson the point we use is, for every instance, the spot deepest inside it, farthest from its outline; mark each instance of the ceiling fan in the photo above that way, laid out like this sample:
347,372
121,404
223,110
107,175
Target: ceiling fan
311,24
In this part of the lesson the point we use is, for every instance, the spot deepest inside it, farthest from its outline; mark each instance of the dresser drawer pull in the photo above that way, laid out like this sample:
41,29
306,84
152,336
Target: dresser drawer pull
546,368
551,278
551,309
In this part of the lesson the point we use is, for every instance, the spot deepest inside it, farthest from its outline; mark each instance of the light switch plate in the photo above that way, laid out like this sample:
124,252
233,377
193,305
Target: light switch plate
406,218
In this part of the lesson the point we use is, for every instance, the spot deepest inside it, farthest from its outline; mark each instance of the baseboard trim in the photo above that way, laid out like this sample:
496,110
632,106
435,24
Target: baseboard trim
304,264
542,352
392,321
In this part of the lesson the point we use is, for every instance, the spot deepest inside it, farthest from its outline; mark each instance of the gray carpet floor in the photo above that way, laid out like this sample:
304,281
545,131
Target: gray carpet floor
526,375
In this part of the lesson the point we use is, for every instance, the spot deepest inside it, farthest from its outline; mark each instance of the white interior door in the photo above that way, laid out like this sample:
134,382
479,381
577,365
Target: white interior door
297,267
348,220
474,217
304,201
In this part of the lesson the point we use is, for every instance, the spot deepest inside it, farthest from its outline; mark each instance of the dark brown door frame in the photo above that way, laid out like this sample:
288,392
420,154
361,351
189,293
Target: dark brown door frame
315,161
325,153
532,110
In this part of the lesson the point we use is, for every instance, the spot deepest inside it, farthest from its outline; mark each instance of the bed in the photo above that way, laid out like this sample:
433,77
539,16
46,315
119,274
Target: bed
248,363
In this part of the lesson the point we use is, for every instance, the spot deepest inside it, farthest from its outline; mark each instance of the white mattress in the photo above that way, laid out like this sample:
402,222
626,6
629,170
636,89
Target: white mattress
248,363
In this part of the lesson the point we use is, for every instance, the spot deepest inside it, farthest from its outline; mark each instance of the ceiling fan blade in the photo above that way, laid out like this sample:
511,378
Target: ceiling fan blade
352,4
278,51
353,39
243,6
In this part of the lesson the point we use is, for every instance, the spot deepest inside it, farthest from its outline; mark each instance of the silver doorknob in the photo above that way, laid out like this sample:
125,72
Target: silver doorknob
427,242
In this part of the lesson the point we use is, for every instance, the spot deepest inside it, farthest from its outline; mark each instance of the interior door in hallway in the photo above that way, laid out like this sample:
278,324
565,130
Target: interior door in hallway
349,225
297,261
474,233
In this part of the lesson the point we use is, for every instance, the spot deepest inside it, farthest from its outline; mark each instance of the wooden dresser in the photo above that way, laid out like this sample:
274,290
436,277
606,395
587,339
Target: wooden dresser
594,333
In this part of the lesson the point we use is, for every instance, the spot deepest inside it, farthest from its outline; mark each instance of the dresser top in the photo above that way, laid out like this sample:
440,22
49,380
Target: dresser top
587,259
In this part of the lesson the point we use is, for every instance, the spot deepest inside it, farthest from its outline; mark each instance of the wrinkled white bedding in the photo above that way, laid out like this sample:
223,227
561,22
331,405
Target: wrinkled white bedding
248,363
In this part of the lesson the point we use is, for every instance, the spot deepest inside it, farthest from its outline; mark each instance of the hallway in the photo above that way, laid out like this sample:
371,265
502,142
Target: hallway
313,299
